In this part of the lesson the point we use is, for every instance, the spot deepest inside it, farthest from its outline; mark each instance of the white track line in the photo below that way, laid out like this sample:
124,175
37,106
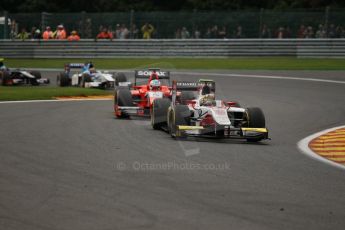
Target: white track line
303,146
263,76
225,75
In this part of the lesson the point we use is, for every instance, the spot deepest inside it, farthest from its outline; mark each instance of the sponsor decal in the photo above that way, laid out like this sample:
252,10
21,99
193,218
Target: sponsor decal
148,73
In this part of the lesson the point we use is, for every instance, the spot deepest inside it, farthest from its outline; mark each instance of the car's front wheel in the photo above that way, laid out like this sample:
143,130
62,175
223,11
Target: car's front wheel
255,119
122,97
179,115
159,112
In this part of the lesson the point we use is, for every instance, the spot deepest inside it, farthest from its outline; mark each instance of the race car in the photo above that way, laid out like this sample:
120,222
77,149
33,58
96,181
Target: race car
87,77
199,114
10,77
136,99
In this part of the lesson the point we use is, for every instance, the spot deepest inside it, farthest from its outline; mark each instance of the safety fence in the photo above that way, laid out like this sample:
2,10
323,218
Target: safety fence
133,48
264,23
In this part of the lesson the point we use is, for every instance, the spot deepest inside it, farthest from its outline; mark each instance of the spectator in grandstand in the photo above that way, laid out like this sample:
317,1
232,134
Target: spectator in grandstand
214,31
239,32
60,32
178,33
309,33
321,32
117,32
48,33
23,35
208,33
222,32
332,31
123,32
134,32
185,33
14,29
147,30
265,32
301,33
73,36
88,28
104,34
340,31
287,32
280,33
35,33
197,33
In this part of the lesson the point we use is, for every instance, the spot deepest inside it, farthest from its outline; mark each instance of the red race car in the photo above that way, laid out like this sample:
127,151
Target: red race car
137,99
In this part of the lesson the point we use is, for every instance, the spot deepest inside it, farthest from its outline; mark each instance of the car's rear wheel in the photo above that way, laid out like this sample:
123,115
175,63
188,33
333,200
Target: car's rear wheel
122,97
62,80
255,119
120,77
159,112
5,78
187,96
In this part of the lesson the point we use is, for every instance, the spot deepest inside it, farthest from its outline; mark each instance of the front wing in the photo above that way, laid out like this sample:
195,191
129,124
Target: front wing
133,110
224,132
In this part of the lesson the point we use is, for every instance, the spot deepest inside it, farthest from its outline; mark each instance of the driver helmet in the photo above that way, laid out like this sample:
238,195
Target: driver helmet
155,85
207,100
205,90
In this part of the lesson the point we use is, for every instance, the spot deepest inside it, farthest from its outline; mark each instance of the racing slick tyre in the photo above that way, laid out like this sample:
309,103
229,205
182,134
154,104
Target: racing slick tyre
159,112
122,97
62,80
37,74
4,77
187,96
179,115
33,81
255,119
120,77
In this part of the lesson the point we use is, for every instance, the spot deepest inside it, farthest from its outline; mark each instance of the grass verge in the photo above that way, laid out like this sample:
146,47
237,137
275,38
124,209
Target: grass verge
15,93
260,63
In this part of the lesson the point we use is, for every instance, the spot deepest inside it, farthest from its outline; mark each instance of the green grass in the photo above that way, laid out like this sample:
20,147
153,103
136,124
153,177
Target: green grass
14,93
270,63
262,63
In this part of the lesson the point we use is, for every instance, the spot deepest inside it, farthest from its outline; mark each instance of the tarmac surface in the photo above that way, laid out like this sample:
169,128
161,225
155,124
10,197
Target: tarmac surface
72,165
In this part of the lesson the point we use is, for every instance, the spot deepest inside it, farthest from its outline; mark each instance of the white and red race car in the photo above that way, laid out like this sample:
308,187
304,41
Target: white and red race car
195,112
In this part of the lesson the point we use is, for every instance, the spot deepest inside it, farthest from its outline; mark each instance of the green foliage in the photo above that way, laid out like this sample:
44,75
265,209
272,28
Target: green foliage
14,6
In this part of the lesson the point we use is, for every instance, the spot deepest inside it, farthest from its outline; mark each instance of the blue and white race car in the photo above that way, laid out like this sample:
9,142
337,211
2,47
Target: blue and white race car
87,77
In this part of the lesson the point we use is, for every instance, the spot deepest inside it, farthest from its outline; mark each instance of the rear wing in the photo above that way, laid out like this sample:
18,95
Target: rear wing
179,86
210,83
193,86
147,73
74,65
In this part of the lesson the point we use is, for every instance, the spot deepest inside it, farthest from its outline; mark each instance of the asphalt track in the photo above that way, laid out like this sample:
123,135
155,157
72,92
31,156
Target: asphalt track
71,165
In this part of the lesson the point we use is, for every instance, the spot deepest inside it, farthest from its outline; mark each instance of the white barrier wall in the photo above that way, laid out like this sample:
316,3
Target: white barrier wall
314,48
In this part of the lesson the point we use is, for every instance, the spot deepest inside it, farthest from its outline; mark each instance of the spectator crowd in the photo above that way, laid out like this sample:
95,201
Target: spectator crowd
148,31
